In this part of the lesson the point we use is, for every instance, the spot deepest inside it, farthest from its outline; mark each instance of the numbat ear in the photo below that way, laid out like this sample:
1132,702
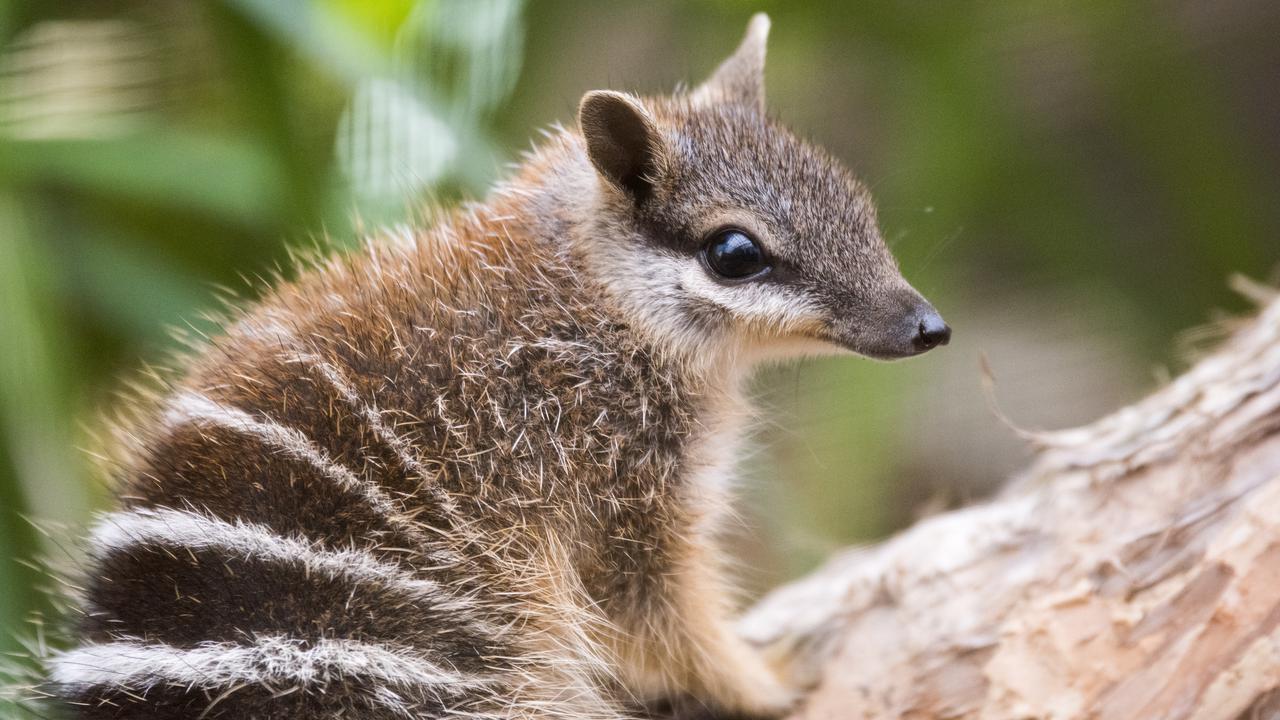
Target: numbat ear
740,79
622,140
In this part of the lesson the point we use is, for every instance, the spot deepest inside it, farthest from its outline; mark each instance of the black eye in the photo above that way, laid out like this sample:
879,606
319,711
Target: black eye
732,254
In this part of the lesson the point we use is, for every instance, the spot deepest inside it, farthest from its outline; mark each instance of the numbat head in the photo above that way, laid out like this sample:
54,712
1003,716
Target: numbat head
477,469
717,228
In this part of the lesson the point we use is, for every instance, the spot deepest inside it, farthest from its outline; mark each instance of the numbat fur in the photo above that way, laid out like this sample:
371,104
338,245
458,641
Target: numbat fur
475,470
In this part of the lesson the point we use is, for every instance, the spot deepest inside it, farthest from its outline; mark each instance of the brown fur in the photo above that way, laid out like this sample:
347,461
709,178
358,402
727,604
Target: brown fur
540,413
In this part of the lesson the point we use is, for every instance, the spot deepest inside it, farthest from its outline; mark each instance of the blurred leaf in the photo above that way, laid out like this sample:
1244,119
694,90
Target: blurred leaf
219,175
321,32
407,135
36,373
140,294
380,19
39,470
466,53
391,143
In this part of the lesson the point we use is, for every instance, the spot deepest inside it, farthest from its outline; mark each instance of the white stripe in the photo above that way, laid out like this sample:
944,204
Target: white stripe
265,329
371,415
121,531
389,437
274,659
338,381
196,408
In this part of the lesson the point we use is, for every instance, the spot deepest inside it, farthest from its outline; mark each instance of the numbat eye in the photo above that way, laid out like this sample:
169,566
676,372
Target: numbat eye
734,255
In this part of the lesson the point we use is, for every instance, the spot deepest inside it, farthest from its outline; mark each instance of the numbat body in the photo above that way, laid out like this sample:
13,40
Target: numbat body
475,471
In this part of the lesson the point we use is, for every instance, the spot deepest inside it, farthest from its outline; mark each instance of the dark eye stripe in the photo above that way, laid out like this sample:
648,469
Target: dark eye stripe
732,254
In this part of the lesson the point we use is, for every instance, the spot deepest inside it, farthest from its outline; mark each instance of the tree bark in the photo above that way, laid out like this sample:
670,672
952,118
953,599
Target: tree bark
1131,573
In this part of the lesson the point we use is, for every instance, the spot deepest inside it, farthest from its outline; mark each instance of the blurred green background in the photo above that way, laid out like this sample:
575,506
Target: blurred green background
1071,184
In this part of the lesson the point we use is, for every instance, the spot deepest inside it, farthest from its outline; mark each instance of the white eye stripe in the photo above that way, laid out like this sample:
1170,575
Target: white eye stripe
775,303
669,293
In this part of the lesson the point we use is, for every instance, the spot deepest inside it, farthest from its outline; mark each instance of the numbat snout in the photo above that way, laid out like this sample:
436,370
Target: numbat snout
476,470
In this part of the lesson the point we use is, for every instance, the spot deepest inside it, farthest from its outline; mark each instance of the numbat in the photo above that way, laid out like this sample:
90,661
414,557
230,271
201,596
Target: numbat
476,470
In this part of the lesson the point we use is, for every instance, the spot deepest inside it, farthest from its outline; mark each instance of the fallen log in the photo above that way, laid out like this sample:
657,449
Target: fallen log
1131,572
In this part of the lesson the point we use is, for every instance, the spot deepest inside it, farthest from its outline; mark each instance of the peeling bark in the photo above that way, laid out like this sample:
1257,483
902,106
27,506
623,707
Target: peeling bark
1132,572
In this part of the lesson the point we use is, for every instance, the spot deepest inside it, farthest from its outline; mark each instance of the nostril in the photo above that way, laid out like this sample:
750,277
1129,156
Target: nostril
931,333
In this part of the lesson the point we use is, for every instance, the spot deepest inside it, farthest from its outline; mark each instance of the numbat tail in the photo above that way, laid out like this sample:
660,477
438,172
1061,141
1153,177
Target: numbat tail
475,471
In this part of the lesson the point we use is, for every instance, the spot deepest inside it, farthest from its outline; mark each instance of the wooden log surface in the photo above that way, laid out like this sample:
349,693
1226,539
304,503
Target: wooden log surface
1132,572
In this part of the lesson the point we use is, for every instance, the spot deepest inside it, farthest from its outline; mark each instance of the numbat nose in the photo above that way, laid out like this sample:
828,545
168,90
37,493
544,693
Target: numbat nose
931,332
